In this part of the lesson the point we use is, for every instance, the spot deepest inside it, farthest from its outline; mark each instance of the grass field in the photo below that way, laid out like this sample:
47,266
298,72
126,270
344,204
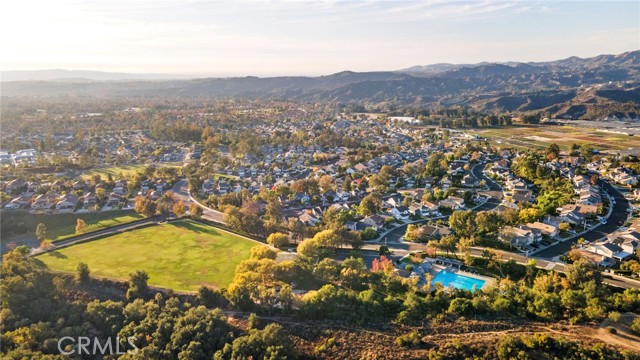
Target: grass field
538,136
126,170
61,226
182,255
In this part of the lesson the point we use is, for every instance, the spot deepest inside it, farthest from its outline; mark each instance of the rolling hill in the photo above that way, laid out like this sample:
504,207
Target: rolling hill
574,87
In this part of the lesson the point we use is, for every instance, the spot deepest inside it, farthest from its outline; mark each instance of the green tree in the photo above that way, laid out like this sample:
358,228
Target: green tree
278,239
82,273
263,252
370,204
138,285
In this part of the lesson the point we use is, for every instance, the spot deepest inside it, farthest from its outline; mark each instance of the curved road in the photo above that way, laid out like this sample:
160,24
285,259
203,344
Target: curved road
181,192
619,214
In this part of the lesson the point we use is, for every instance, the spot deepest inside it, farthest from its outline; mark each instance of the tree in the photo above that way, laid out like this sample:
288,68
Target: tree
41,232
145,206
326,183
195,210
370,204
297,228
82,273
263,252
383,264
179,208
274,211
327,270
529,215
286,296
81,226
463,223
278,239
309,248
369,233
138,286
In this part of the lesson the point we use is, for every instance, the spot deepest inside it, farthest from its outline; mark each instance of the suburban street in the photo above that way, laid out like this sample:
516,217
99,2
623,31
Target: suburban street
181,192
618,215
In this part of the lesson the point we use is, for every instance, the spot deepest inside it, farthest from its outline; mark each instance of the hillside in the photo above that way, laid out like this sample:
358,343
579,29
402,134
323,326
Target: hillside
570,88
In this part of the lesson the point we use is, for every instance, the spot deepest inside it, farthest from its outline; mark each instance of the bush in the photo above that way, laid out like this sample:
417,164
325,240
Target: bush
614,316
409,267
611,330
325,346
412,339
635,326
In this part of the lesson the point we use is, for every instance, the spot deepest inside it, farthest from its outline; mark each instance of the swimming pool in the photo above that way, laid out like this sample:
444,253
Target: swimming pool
457,281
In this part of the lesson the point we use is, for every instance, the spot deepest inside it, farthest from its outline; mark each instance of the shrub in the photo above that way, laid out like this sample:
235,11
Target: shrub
635,326
614,316
412,339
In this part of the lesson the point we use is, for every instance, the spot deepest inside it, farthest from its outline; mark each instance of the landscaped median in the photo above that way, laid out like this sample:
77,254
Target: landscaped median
181,255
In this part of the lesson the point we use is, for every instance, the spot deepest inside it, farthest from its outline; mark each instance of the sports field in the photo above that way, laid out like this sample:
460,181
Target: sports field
181,255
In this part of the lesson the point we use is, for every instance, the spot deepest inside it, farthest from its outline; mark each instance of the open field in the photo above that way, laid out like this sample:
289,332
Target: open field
126,170
182,255
61,226
538,136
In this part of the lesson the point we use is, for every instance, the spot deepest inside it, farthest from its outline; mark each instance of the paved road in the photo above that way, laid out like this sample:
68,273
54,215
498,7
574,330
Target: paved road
181,192
618,215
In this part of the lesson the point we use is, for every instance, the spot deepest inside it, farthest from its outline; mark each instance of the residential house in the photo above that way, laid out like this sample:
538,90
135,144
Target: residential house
400,212
540,228
517,237
41,202
67,202
375,221
309,219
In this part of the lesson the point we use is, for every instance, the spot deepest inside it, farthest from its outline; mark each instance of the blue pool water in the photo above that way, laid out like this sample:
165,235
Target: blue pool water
457,281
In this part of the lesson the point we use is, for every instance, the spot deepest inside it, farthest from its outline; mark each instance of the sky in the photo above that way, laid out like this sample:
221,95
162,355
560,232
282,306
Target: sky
269,38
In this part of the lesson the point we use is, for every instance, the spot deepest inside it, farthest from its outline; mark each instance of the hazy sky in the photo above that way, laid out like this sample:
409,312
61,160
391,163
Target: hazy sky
304,38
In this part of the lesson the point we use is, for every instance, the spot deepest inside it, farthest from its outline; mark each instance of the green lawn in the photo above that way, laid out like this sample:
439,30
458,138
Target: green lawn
181,255
125,170
61,226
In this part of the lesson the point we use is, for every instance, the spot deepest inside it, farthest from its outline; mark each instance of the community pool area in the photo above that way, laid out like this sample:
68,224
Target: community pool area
450,279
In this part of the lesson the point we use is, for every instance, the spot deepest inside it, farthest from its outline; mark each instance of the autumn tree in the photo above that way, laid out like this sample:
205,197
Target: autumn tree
179,208
145,206
278,239
81,226
195,210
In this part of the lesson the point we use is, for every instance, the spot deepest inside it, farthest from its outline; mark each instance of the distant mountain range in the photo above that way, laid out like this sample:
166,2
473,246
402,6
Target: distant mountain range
593,87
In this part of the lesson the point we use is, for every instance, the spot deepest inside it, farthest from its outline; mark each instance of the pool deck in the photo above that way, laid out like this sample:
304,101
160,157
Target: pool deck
435,269
429,266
